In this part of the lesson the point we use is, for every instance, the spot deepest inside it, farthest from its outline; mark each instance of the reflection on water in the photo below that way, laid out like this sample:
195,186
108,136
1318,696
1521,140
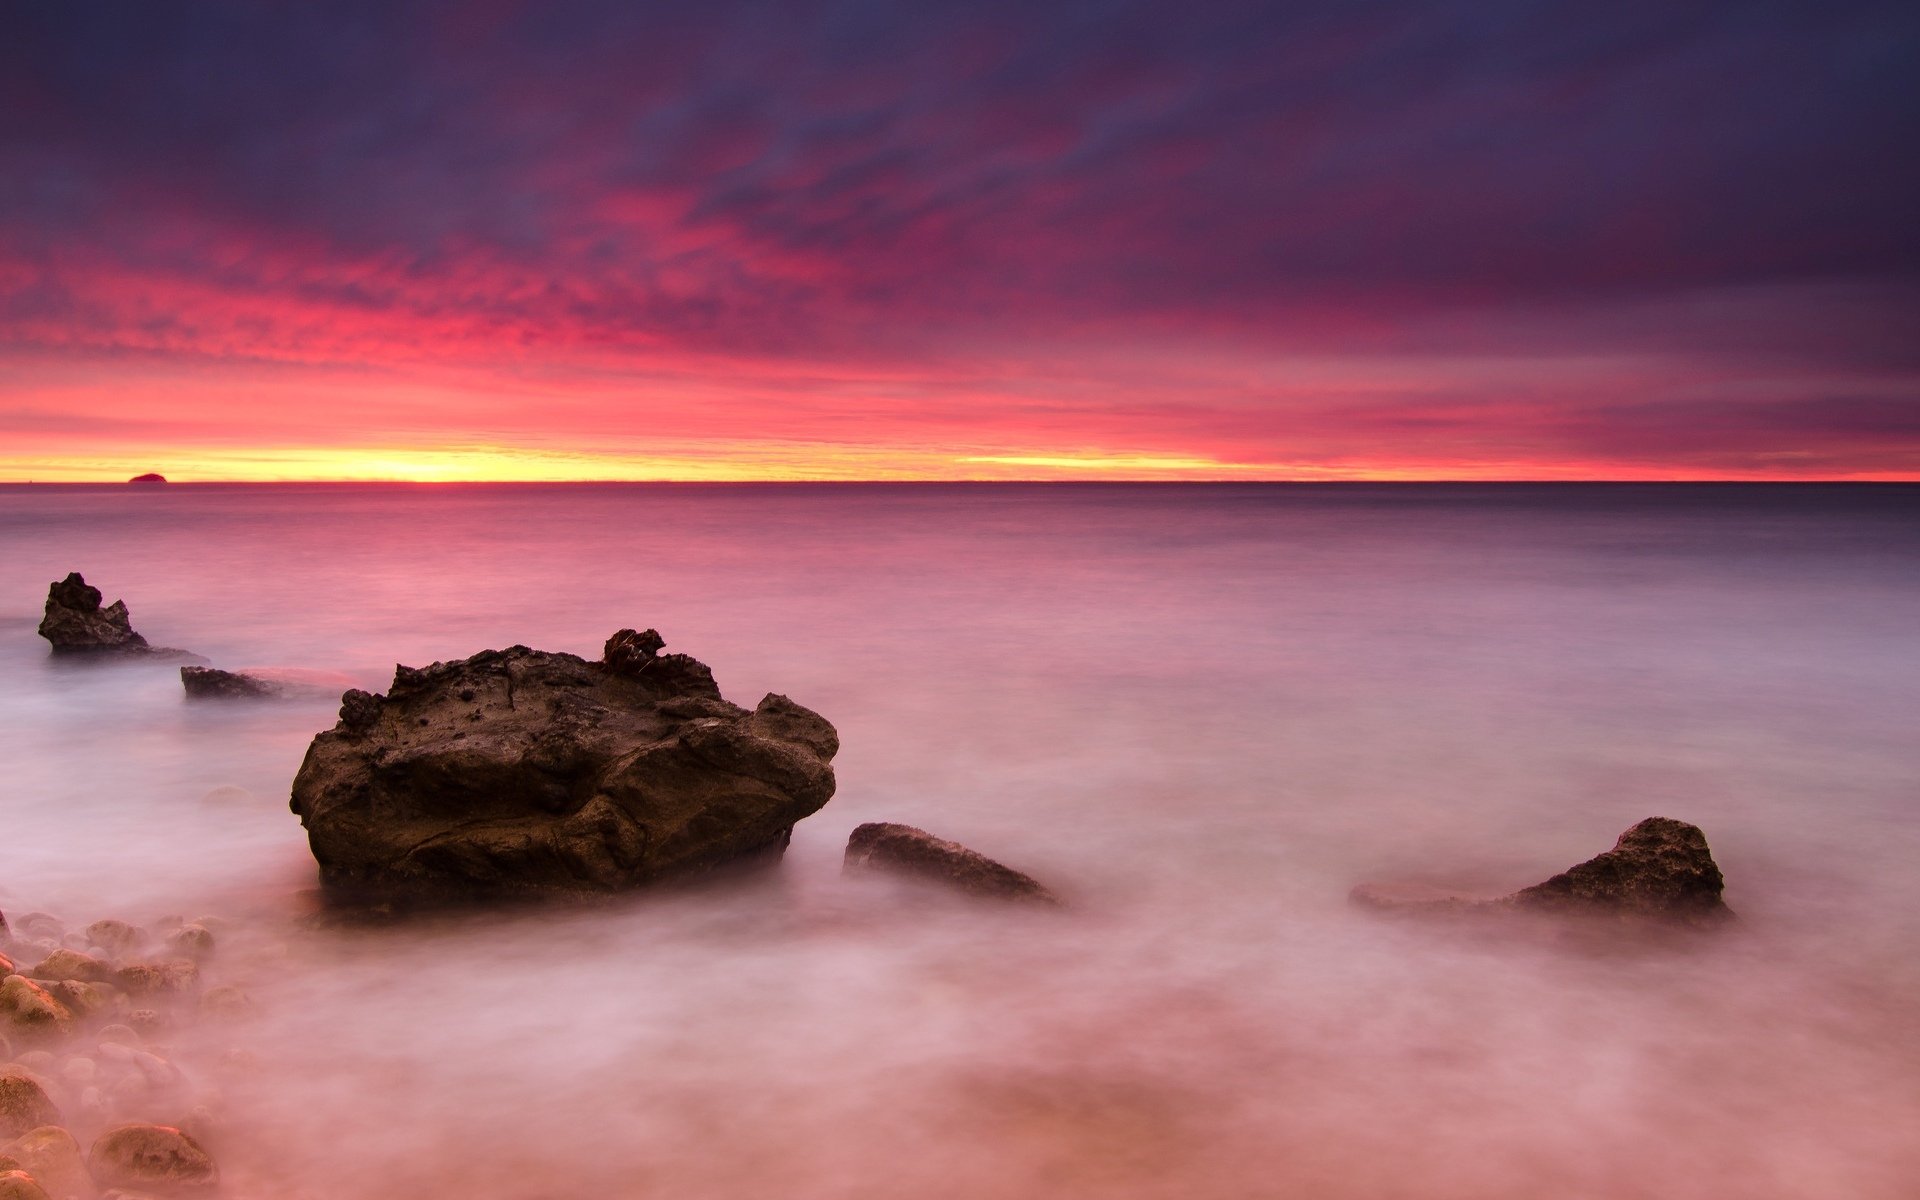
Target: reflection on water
1201,713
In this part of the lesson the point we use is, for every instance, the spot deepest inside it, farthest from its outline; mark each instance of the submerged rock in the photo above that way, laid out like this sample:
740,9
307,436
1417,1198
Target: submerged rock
1659,870
904,850
522,772
24,1103
77,623
158,1157
205,683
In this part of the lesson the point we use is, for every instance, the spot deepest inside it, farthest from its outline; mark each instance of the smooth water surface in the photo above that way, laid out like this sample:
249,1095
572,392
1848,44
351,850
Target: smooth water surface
1200,712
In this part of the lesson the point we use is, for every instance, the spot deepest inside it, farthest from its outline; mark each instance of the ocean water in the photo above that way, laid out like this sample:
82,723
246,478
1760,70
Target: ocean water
1202,713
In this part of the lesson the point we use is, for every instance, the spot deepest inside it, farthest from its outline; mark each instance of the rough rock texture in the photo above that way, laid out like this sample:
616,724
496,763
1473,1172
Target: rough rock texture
1659,868
75,620
205,683
18,1185
151,1157
904,850
24,1104
76,623
520,772
30,1013
52,1156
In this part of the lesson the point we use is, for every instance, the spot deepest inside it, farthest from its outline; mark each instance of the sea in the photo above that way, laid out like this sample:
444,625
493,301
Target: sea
1201,713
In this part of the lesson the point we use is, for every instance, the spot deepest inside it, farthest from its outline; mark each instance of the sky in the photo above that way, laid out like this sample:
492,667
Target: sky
1436,239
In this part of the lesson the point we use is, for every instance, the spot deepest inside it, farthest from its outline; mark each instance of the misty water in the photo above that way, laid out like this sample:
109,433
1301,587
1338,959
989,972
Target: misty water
1201,713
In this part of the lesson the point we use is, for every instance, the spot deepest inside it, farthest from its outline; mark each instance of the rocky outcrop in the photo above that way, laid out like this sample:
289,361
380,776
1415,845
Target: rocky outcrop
916,854
1660,870
522,772
77,623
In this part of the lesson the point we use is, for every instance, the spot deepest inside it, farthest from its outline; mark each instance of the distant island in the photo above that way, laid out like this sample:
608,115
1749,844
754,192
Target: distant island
149,477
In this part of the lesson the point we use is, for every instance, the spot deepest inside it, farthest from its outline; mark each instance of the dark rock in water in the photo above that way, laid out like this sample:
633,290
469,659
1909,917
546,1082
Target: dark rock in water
76,623
904,850
75,619
149,477
151,1157
521,772
1660,868
211,683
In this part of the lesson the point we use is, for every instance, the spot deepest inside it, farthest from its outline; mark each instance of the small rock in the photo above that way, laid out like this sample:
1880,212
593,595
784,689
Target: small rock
174,977
904,850
116,938
72,964
30,1012
86,999
149,1022
226,1003
122,1035
18,1185
192,941
24,1103
80,1071
151,1156
52,1156
41,925
76,623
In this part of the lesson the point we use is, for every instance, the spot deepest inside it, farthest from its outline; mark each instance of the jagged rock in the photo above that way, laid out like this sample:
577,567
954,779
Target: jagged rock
1660,868
30,1012
76,623
52,1156
159,1157
211,683
520,772
904,850
24,1103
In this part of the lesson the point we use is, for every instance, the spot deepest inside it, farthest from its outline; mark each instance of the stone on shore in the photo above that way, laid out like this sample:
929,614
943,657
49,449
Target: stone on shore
520,772
52,1156
915,853
154,1157
72,964
24,1103
30,1012
18,1185
77,623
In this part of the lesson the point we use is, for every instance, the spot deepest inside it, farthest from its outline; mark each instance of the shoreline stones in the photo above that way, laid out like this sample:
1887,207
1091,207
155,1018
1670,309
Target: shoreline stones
1660,870
915,853
520,773
151,1156
76,623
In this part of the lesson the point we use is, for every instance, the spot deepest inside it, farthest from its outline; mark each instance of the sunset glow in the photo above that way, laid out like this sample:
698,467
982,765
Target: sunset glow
974,242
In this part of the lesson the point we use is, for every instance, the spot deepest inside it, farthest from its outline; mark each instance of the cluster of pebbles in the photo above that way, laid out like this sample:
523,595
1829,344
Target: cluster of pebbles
92,1105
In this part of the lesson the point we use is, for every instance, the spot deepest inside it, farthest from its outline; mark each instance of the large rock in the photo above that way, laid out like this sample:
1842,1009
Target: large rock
30,1013
156,1158
1660,868
77,623
52,1156
24,1103
917,854
524,772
